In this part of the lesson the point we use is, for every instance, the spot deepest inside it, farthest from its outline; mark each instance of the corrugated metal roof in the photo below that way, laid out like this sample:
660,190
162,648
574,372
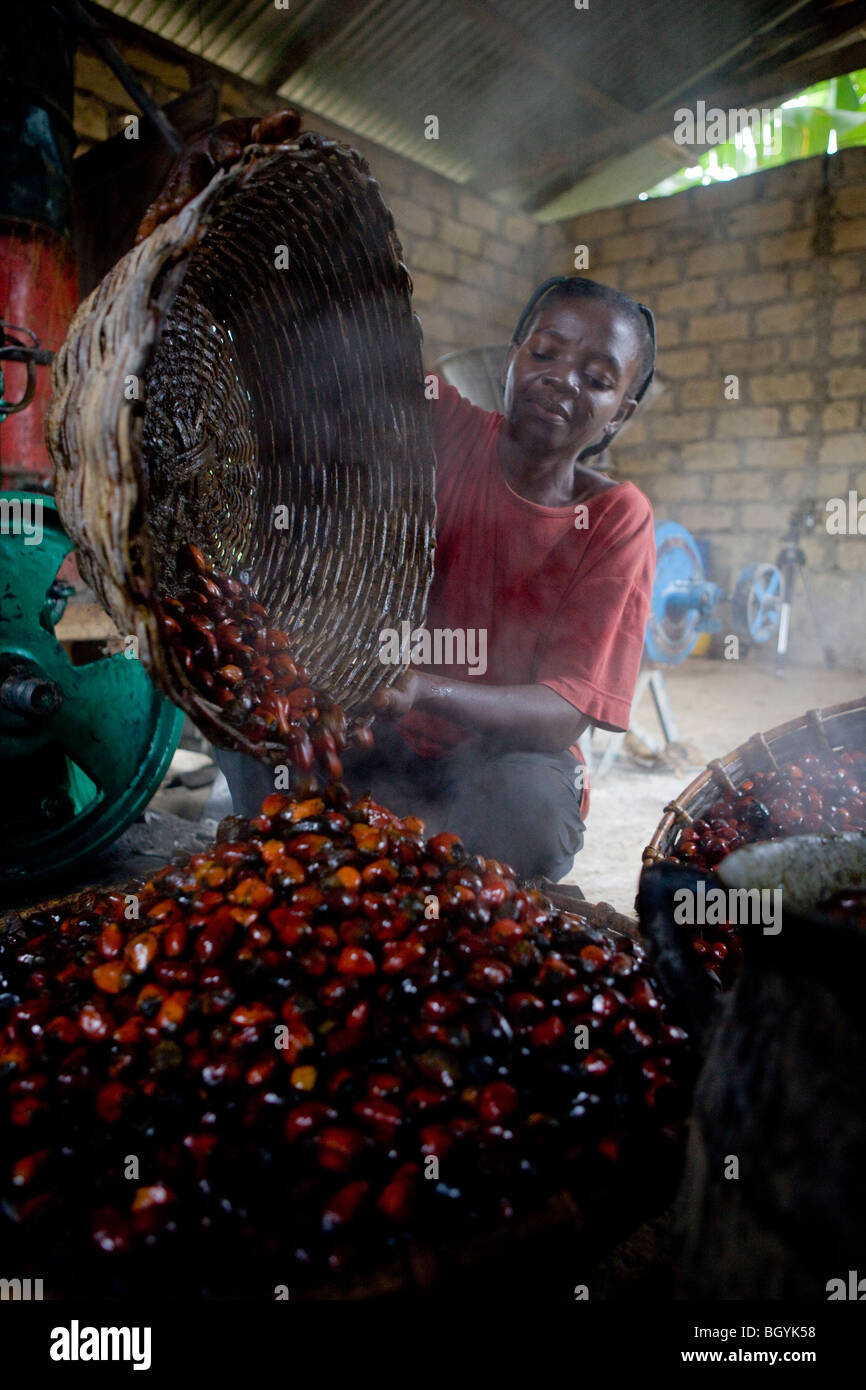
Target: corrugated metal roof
526,94
243,36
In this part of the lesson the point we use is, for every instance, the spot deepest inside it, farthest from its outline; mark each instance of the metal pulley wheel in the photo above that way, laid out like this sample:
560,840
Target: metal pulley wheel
681,599
756,602
82,748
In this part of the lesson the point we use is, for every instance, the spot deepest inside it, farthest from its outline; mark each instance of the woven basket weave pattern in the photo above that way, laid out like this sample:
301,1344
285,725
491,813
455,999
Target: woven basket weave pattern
265,388
817,731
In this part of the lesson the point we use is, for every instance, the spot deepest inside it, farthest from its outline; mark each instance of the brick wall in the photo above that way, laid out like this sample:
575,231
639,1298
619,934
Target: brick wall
763,278
473,264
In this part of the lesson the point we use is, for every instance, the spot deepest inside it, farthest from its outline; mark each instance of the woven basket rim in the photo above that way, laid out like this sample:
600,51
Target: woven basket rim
677,812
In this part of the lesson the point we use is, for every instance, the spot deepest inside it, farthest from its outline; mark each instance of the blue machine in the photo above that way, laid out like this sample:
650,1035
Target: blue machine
684,600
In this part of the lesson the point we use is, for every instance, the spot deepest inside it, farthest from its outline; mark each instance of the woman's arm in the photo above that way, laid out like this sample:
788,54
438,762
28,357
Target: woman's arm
214,149
522,716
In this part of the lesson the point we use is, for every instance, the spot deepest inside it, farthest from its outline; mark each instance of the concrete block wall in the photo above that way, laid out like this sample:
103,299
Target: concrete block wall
763,279
473,265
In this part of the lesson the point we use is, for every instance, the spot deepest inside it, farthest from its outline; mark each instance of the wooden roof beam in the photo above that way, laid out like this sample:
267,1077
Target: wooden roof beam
326,23
524,48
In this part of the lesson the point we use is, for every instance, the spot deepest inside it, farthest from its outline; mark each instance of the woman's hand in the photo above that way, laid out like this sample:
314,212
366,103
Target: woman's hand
215,149
403,695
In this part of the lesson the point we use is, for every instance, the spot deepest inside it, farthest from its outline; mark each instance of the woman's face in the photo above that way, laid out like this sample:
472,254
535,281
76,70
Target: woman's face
568,382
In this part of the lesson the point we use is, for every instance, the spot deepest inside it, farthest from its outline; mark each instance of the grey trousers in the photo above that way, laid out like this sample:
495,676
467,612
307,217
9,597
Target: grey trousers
517,806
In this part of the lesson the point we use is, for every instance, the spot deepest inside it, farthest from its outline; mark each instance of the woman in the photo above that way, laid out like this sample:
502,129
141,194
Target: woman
554,564
545,564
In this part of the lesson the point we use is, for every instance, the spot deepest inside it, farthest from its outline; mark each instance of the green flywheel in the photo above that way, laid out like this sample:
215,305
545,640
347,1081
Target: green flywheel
82,748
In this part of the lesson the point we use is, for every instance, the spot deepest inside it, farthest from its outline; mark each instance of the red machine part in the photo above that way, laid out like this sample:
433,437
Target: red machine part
38,291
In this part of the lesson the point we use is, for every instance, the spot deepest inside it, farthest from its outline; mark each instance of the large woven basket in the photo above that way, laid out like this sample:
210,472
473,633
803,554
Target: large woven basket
817,731
249,378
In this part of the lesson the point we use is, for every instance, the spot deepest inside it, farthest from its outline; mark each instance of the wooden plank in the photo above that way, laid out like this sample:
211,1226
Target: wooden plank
114,182
85,622
562,74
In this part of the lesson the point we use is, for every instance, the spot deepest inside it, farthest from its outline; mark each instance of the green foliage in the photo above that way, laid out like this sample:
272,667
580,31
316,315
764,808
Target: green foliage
828,117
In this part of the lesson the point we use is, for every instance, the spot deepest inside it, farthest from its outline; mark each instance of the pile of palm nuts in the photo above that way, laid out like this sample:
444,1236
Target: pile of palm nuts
220,635
816,795
320,1040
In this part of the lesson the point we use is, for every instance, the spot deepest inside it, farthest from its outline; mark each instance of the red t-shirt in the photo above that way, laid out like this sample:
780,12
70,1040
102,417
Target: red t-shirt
563,605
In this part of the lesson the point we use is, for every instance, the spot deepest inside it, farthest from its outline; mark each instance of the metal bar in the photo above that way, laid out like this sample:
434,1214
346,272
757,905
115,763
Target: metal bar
43,357
663,706
609,756
614,745
110,56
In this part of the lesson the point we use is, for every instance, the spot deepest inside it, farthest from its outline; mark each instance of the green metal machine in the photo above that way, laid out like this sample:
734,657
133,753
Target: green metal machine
82,748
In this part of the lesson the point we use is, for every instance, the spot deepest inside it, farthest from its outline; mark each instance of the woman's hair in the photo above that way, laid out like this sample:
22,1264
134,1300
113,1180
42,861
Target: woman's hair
577,287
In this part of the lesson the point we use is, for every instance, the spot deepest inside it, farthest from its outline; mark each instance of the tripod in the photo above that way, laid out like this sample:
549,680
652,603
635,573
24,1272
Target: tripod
791,561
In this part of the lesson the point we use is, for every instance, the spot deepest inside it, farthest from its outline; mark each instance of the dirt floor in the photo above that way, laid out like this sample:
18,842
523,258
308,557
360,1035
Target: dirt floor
717,705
